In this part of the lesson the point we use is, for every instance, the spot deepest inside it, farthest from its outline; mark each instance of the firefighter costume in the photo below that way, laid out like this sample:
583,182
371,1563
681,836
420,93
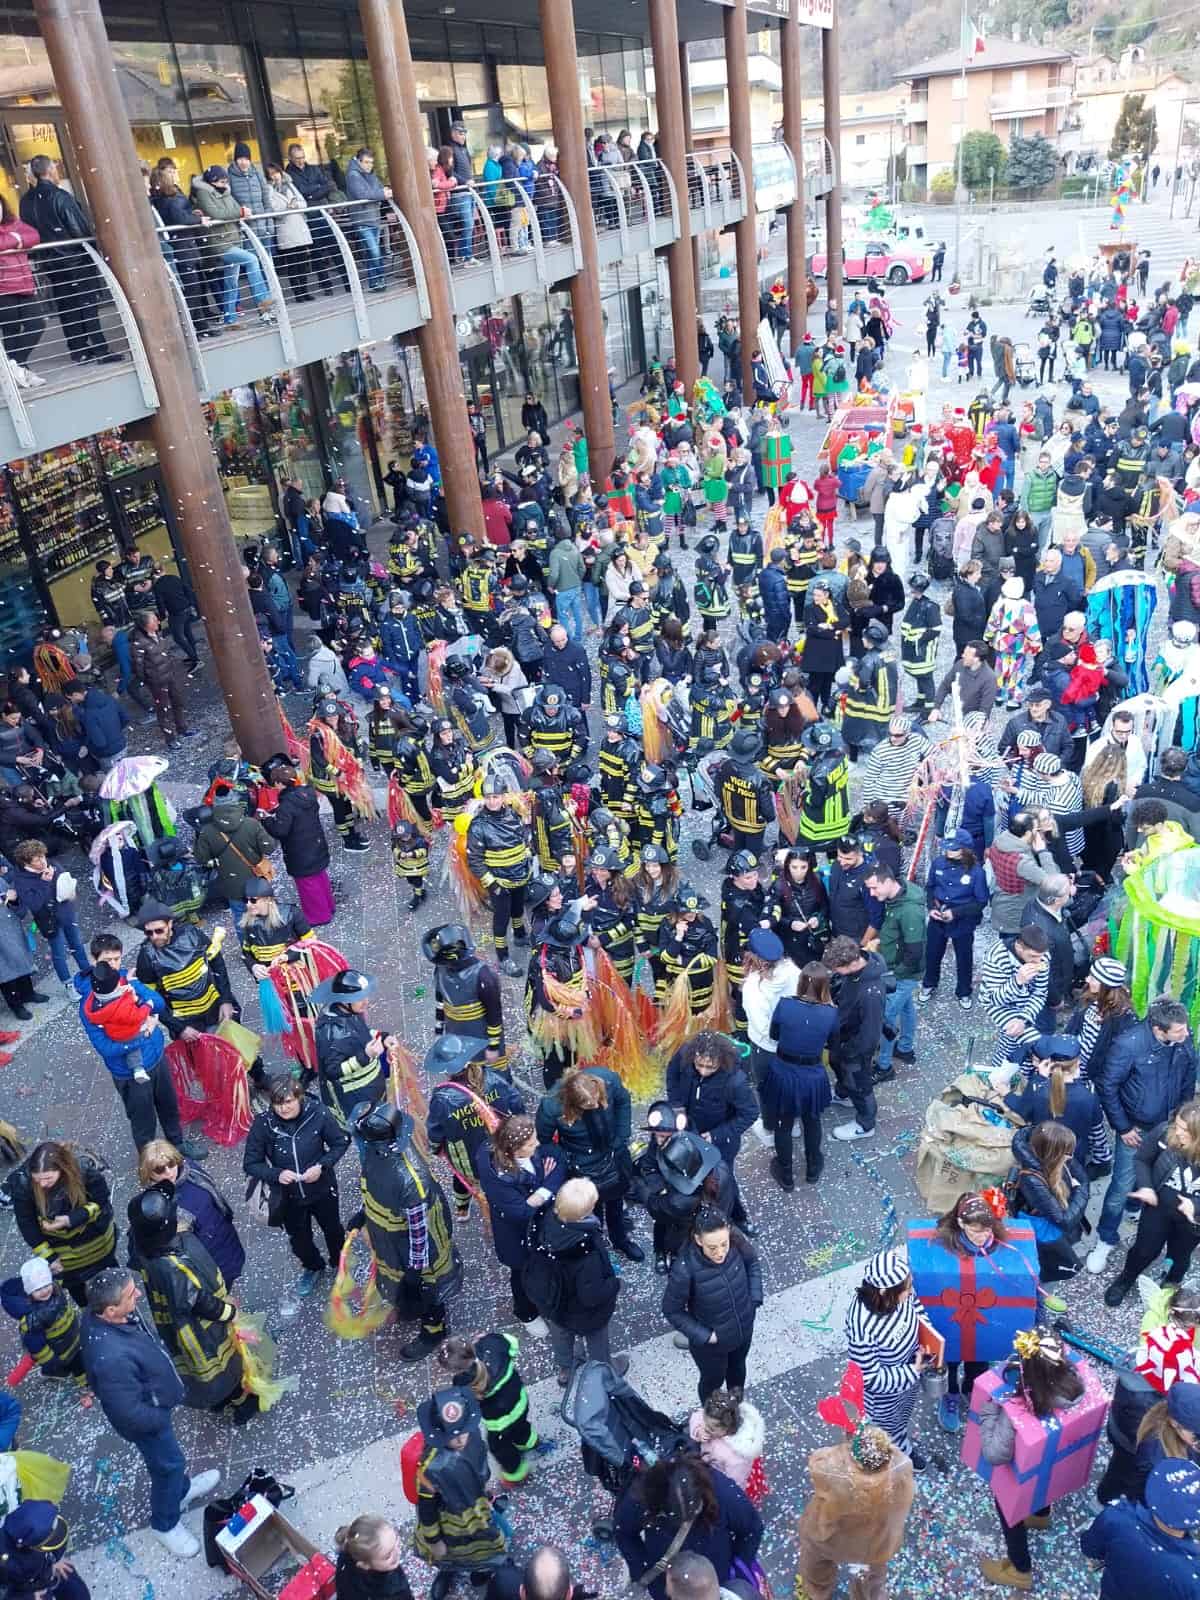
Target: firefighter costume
468,704
352,1065
745,553
871,692
466,990
638,617
743,908
410,859
489,1367
618,762
553,723
382,730
745,792
89,1241
454,768
498,855
335,771
187,969
266,936
560,958
669,598
457,1530
553,833
409,1225
47,1319
920,633
687,943
825,805
412,771
711,589
613,919
464,1092
713,709
478,587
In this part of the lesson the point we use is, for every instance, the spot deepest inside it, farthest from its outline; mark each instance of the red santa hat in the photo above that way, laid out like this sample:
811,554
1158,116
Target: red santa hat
807,339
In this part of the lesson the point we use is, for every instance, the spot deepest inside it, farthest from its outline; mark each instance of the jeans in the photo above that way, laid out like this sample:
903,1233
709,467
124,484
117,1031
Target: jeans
1043,521
462,207
286,656
854,1075
562,1342
719,1369
899,1011
235,259
947,357
591,597
68,934
937,936
168,1476
369,239
568,608
1119,1186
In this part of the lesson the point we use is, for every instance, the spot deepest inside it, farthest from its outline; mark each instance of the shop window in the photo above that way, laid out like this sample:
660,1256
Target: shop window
612,72
637,102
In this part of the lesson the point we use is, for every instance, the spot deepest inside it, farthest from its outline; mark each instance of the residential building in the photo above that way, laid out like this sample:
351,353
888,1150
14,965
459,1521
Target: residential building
873,135
1009,89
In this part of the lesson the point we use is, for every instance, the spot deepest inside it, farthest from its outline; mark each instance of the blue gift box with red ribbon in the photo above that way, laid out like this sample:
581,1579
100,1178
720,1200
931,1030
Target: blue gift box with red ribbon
977,1302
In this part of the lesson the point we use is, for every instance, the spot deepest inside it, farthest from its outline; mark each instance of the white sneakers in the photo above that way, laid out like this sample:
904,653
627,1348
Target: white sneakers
203,1483
23,377
178,1541
852,1130
1098,1257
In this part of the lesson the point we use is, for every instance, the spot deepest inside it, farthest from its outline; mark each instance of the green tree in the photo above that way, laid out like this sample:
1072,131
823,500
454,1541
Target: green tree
1032,163
1136,130
982,153
941,188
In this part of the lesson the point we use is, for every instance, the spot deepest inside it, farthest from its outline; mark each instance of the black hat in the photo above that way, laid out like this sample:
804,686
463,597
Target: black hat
518,583
876,633
456,667
343,989
686,899
154,911
662,563
742,861
327,706
606,858
651,778
451,1054
450,942
539,889
919,581
384,691
709,545
654,852
153,1214
258,889
565,930
104,977
745,745
544,760
686,1160
381,1124
637,587
663,1117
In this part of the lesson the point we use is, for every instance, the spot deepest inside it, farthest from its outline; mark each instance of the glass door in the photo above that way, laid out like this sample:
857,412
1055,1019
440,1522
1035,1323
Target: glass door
26,136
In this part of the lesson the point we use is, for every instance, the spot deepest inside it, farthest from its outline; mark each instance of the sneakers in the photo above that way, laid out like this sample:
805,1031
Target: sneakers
1098,1257
784,1179
423,1345
1116,1292
965,1003
307,1281
840,1098
919,1463
354,843
680,1341
905,1056
202,1484
852,1130
511,968
948,1413
924,996
178,1541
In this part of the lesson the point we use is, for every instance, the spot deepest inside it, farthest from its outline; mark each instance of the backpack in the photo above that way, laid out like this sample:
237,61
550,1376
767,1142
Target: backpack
544,1280
837,372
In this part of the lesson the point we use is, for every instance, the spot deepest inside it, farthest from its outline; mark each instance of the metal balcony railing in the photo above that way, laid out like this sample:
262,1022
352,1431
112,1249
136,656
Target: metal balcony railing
75,329
1021,102
699,200
820,168
723,177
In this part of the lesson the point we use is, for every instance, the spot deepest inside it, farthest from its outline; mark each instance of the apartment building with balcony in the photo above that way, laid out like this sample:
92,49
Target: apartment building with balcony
1010,89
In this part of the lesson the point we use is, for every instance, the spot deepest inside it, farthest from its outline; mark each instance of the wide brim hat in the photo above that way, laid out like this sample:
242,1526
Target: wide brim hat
343,989
452,1053
686,1160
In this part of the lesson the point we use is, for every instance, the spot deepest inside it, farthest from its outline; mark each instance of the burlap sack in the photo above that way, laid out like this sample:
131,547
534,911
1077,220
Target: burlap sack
960,1149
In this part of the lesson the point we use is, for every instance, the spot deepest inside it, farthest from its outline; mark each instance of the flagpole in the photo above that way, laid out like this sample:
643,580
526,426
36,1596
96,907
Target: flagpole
962,51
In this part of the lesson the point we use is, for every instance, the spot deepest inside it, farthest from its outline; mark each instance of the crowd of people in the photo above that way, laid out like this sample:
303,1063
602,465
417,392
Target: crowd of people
544,705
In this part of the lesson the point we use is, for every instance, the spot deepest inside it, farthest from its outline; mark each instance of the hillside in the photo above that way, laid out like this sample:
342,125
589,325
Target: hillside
871,55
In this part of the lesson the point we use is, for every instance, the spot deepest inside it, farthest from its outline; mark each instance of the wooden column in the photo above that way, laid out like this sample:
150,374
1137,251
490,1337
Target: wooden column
793,137
100,136
737,69
672,146
685,95
831,94
404,139
566,118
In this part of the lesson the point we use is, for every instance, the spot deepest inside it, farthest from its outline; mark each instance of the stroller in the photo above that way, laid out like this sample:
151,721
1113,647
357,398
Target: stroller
1025,364
619,1433
941,549
700,769
1041,301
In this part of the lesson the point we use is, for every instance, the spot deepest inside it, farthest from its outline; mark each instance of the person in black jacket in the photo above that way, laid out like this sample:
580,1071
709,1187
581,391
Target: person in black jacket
859,996
676,1174
74,279
352,1066
1052,1193
370,1550
713,1293
569,1277
317,186
1048,911
705,1076
62,1208
292,1149
296,823
725,1527
175,597
1039,717
1166,1170
589,1116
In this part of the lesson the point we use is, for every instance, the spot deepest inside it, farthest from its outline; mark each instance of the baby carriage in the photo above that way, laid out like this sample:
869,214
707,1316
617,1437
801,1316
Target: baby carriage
619,1434
1025,365
941,549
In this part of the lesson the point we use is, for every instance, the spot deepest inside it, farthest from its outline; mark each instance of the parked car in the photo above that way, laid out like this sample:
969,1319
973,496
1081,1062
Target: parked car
890,260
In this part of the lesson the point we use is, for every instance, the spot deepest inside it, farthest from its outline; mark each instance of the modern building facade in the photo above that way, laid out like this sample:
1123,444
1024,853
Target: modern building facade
334,384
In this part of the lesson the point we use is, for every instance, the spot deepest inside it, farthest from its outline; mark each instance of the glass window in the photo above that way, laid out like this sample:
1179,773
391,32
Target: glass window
637,102
471,83
612,73
435,83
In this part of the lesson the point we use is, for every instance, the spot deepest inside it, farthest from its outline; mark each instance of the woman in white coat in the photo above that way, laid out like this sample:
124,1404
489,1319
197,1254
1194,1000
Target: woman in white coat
769,977
293,240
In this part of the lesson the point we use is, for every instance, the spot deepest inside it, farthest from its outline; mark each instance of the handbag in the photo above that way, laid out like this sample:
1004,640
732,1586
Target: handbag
688,515
264,869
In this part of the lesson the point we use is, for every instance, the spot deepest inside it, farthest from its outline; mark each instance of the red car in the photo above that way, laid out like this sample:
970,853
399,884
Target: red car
878,258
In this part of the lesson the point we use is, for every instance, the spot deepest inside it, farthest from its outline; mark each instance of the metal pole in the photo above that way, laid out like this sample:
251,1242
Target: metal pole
991,186
962,133
85,77
386,33
831,91
566,117
737,67
672,150
793,137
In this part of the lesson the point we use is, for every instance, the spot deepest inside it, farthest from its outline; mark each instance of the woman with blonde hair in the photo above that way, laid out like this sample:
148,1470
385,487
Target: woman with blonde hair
1052,1195
1105,799
368,1564
203,1209
1166,1167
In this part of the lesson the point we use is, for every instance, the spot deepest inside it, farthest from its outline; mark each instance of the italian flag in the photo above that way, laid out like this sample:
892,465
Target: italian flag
972,39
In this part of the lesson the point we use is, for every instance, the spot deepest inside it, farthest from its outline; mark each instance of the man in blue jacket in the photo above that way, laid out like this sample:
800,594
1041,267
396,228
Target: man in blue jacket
777,602
1151,1549
108,999
134,1379
1145,1077
103,721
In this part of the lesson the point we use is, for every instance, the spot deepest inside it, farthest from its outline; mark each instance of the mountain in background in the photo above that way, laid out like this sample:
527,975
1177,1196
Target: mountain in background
877,43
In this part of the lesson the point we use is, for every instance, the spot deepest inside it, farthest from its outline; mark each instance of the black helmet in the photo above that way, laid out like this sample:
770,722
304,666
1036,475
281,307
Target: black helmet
153,1215
745,745
600,819
495,783
688,899
381,1124
539,889
564,930
544,761
686,1160
876,633
548,694
443,725
919,581
451,1054
742,861
709,545
820,736
651,779
327,707
456,668
450,942
383,692
405,750
605,857
343,989
662,563
518,583
654,852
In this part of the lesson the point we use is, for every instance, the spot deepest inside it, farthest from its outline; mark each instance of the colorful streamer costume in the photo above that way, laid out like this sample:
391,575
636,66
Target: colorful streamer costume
1120,608
1012,631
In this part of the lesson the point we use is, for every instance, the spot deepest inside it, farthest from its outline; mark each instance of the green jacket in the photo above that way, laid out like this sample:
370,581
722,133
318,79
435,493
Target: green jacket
902,935
223,232
565,570
1041,491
